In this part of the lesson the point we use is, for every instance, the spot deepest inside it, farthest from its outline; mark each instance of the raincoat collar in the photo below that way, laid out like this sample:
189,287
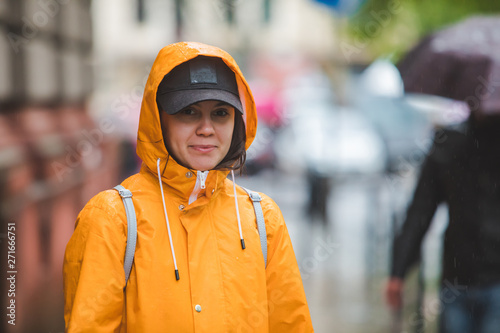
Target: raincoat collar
181,181
150,144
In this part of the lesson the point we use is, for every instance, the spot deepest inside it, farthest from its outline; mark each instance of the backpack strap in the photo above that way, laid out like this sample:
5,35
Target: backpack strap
261,223
131,229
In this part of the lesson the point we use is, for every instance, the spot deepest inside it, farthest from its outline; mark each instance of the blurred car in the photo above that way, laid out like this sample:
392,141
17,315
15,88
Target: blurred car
404,130
379,95
329,140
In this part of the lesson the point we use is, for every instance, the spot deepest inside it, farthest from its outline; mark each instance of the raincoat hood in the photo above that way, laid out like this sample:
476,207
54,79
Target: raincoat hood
150,142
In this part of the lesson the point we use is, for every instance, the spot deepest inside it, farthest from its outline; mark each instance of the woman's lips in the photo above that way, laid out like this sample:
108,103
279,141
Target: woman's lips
203,148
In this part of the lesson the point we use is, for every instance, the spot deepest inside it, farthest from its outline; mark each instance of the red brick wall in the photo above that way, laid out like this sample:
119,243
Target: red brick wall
53,169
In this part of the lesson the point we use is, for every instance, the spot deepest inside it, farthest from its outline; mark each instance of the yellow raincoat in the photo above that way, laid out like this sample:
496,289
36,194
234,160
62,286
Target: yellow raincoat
222,288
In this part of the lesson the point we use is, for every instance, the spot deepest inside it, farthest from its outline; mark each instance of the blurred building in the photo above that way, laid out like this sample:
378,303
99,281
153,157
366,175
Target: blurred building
129,34
51,150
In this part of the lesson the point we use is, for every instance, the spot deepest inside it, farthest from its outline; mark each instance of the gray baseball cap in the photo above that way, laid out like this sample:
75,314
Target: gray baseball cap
199,79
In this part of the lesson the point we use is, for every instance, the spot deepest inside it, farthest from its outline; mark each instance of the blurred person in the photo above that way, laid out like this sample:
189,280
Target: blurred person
198,263
462,170
319,185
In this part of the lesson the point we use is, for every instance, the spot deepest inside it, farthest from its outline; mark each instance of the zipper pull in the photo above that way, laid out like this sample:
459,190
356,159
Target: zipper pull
203,178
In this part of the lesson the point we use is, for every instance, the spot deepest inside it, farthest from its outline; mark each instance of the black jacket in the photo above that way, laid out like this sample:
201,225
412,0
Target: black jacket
462,170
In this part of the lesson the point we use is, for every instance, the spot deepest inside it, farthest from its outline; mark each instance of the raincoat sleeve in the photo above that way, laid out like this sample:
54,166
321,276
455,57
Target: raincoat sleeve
287,304
93,269
428,195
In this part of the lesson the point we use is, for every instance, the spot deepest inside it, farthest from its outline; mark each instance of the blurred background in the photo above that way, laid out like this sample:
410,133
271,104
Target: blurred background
338,147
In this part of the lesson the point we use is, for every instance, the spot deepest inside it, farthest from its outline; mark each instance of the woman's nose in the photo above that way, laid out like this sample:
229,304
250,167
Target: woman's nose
205,127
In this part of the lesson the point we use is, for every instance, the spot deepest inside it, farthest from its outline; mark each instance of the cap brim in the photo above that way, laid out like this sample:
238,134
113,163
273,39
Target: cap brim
175,101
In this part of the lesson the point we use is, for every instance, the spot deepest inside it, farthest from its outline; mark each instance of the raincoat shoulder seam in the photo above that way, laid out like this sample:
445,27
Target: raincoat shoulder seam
112,213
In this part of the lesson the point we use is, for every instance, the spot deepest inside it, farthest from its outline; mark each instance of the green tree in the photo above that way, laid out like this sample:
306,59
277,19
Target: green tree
403,22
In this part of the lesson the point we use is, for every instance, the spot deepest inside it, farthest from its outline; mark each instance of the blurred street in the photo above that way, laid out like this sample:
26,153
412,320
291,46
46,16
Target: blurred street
344,263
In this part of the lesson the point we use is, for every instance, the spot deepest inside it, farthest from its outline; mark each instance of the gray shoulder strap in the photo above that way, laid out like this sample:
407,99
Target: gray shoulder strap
131,227
261,223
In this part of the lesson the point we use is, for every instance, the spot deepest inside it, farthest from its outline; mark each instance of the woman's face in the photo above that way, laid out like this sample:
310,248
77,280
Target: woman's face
199,136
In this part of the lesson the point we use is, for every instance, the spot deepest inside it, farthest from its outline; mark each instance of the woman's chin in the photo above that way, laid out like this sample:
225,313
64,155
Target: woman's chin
203,165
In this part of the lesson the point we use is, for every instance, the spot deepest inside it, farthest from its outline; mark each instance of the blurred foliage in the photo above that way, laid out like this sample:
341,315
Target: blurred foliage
403,23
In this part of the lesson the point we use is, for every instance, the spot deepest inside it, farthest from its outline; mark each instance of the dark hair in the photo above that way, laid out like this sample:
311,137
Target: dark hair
236,156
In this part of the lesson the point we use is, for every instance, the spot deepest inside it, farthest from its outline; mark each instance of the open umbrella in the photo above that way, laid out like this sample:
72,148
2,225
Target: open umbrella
461,62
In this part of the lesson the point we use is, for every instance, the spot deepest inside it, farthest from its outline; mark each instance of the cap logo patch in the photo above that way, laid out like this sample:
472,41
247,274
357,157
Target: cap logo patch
202,72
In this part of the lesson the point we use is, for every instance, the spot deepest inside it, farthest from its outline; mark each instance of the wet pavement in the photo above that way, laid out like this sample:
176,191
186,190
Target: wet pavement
344,263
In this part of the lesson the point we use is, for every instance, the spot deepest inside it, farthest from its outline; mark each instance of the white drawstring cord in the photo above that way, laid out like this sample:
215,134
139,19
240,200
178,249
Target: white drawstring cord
237,212
166,218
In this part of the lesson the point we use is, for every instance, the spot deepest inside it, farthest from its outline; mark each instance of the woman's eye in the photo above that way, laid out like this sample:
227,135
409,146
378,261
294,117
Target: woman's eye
188,111
221,113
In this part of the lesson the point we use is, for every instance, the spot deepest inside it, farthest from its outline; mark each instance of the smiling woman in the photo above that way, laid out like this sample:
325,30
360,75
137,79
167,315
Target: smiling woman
199,136
197,117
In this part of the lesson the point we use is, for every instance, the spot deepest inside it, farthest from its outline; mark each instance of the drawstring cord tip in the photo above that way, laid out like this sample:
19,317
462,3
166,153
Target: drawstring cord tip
177,275
242,244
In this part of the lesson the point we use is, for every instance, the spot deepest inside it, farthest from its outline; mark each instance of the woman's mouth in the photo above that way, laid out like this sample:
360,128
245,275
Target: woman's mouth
203,148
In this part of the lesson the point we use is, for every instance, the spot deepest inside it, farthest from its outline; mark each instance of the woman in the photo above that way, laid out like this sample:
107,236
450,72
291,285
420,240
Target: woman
198,264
